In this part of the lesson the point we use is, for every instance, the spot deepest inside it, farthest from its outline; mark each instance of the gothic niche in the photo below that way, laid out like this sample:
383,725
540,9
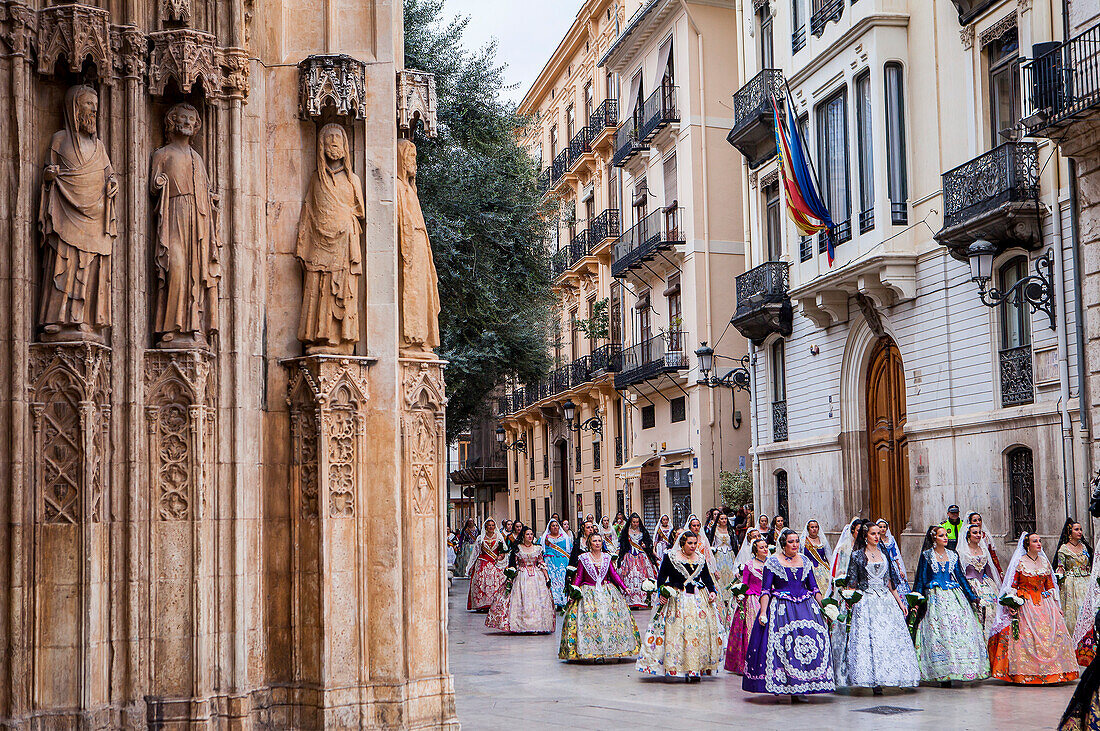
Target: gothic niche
422,433
78,224
187,247
332,80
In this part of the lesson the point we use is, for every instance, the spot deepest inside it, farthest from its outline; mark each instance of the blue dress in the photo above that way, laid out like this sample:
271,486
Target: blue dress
557,559
790,654
950,641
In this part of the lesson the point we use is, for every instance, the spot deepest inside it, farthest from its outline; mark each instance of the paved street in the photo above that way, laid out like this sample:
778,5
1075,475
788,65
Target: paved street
504,681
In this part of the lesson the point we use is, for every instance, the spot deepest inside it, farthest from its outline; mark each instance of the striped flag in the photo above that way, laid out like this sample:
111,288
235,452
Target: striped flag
804,203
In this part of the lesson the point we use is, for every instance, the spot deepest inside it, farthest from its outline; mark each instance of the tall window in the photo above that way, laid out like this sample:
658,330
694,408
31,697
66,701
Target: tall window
798,23
864,144
772,222
675,313
553,142
897,178
779,392
764,37
574,339
531,453
670,179
589,101
1017,381
570,123
1004,90
832,148
546,452
645,318
597,457
616,324
1021,490
782,498
599,506
640,202
534,512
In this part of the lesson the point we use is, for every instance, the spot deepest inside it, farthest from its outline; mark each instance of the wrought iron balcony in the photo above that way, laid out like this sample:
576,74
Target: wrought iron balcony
580,371
829,12
779,421
579,247
658,112
544,181
561,261
1017,379
753,132
652,358
606,116
579,146
504,405
1062,84
604,226
606,358
993,197
798,39
628,142
657,232
763,305
559,168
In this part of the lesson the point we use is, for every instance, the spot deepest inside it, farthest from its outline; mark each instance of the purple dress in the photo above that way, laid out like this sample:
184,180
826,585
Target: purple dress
744,618
790,654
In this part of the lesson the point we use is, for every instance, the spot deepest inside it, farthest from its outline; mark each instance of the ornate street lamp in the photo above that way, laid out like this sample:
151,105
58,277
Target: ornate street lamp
737,379
1037,290
594,424
517,446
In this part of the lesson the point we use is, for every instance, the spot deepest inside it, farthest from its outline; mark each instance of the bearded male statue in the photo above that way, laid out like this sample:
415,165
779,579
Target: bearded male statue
419,283
77,220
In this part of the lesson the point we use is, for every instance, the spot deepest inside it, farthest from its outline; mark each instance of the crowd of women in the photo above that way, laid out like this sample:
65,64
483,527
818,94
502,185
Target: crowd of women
785,610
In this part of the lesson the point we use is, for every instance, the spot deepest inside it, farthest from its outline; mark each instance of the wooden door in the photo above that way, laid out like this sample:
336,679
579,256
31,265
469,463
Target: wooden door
889,457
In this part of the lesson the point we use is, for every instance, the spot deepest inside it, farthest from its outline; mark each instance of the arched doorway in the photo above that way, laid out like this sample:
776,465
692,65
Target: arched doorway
889,448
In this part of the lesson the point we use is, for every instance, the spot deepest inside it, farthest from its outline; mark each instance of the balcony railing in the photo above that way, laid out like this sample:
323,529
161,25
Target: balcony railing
753,132
866,220
1063,84
604,226
579,146
627,142
658,231
652,357
659,111
763,305
830,11
560,166
561,261
1007,173
779,421
579,247
606,116
606,358
1017,378
544,181
798,39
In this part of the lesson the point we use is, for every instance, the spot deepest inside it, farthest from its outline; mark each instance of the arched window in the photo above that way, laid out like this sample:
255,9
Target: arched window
1021,490
1017,382
781,497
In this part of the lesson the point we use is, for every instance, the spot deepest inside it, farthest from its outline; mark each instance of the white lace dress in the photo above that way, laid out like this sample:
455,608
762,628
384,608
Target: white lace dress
879,649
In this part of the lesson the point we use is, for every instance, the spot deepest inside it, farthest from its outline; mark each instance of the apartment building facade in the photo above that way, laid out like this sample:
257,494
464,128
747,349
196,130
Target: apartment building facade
897,380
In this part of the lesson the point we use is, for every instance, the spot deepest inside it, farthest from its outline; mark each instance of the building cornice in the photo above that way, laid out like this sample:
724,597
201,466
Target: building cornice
554,68
844,42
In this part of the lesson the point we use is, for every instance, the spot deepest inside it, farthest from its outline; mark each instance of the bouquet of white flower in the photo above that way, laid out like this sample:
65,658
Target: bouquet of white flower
1013,603
738,589
851,596
831,609
509,577
649,586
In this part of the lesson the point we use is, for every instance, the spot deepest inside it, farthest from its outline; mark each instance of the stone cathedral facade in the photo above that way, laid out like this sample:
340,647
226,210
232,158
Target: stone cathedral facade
222,415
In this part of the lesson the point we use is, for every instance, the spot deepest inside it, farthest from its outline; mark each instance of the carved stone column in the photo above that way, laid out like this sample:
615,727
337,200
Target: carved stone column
180,411
71,414
328,398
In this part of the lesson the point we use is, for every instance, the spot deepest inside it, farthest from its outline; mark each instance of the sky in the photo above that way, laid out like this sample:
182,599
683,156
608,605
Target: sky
527,31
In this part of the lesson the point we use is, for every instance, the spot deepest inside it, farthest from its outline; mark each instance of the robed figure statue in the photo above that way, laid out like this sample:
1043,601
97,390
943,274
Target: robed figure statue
77,219
330,249
419,285
188,260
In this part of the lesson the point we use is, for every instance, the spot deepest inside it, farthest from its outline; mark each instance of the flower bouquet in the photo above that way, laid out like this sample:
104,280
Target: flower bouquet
851,596
914,601
1012,603
831,608
573,592
509,577
649,586
738,590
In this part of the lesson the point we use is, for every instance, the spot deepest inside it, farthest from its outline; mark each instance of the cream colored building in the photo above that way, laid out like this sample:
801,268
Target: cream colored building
883,386
665,267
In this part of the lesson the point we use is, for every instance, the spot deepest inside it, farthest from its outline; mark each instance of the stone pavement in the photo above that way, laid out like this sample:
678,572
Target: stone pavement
506,682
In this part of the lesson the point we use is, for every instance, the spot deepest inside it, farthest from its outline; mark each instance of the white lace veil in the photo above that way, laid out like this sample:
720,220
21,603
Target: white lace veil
825,549
894,550
744,555
984,543
561,531
843,546
496,531
1003,619
658,529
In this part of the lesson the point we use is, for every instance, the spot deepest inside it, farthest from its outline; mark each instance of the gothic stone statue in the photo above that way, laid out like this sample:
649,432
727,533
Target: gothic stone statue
187,246
329,249
77,219
419,286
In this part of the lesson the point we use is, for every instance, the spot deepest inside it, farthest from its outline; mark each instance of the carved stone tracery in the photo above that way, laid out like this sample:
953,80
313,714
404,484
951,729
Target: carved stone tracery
997,30
178,11
186,56
416,102
423,432
333,79
75,32
19,26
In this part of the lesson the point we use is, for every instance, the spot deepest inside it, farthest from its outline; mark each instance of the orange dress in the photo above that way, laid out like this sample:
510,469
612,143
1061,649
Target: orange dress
1043,652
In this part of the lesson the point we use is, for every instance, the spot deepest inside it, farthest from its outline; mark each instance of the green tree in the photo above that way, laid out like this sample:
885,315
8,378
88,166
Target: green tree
735,488
486,219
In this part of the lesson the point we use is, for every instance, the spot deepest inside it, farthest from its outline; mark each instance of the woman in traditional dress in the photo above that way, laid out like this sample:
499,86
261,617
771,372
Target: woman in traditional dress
843,551
662,536
789,648
709,518
617,524
745,554
779,523
982,575
763,524
685,637
566,529
815,546
636,561
1084,632
724,546
452,550
487,576
1083,710
879,651
466,540
744,615
1031,645
950,641
975,518
610,537
893,551
527,606
557,546
598,625
1072,566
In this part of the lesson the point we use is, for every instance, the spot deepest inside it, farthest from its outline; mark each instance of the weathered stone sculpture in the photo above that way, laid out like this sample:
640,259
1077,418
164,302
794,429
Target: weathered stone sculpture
329,249
419,285
77,219
187,245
